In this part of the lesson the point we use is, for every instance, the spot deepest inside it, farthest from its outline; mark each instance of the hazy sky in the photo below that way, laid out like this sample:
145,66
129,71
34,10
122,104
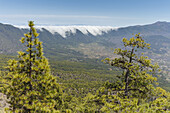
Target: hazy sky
114,13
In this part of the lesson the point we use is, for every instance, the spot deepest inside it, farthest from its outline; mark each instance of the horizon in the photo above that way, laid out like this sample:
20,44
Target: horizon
25,25
113,13
94,30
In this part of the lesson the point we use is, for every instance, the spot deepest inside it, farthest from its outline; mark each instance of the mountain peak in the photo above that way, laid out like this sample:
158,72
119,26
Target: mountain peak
161,23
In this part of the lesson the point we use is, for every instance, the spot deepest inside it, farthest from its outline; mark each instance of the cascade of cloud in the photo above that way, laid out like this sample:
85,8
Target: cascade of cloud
62,30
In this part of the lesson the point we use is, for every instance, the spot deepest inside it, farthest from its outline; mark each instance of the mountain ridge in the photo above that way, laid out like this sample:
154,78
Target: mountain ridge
94,30
9,35
80,47
88,44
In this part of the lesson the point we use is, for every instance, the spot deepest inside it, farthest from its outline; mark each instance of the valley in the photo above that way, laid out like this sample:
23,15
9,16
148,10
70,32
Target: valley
75,52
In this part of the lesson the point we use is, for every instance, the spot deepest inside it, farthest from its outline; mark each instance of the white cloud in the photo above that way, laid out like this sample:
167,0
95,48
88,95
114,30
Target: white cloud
62,30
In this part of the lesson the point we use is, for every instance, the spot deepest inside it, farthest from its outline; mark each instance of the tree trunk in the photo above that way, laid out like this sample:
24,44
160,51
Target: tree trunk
127,74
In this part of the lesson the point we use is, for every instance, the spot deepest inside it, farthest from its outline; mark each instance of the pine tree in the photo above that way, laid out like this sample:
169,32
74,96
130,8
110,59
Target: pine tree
139,73
31,87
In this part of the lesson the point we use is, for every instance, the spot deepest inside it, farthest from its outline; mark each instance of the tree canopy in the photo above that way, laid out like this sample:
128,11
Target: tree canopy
30,86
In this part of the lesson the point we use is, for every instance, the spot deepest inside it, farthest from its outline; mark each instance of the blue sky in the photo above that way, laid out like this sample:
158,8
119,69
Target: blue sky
116,13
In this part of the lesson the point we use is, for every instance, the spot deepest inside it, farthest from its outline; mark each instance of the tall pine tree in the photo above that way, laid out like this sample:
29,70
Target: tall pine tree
30,86
139,73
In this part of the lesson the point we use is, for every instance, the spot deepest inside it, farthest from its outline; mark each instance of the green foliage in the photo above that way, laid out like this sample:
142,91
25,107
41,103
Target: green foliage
30,87
138,71
109,101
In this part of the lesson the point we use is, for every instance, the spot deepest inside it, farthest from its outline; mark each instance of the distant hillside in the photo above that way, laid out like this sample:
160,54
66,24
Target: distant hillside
77,42
55,37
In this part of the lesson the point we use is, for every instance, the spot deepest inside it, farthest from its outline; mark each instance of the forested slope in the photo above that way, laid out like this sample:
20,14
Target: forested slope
82,84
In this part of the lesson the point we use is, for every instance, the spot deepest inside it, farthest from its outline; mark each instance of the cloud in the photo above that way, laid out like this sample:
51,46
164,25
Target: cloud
63,30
